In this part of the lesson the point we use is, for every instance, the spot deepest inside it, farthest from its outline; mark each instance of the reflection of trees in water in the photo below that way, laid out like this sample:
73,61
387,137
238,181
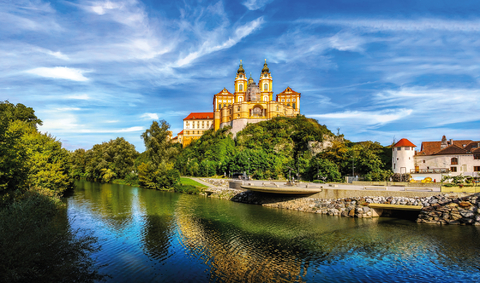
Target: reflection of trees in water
112,202
236,255
247,244
157,231
156,234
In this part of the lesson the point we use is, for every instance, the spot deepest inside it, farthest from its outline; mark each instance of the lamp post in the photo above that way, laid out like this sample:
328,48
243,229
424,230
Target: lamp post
353,167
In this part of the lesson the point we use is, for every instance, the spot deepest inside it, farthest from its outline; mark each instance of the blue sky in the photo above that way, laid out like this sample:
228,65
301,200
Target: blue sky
378,70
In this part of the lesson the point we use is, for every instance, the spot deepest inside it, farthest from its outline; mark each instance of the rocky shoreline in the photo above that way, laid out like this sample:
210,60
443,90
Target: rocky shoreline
440,209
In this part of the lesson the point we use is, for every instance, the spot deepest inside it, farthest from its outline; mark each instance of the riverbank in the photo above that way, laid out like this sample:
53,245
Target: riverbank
437,208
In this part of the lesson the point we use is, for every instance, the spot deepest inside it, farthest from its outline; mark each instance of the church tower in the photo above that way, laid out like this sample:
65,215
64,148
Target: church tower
240,84
265,83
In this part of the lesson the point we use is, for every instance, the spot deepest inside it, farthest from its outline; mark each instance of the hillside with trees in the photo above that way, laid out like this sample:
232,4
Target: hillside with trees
279,148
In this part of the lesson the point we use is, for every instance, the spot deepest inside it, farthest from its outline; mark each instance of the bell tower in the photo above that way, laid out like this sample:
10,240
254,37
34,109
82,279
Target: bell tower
240,84
266,83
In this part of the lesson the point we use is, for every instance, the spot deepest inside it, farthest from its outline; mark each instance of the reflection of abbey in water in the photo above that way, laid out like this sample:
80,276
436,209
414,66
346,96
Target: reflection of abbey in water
250,103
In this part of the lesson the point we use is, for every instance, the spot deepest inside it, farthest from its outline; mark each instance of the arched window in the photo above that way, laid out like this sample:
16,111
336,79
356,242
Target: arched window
293,105
454,161
264,98
240,99
240,87
265,87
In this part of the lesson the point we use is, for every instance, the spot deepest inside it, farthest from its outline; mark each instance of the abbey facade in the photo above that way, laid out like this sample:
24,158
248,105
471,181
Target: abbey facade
252,102
249,103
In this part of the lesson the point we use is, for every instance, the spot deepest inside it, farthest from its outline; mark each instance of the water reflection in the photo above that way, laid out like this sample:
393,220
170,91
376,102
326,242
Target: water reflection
155,236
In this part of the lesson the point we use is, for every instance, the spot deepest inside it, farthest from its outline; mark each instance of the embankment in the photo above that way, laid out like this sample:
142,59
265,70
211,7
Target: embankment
455,208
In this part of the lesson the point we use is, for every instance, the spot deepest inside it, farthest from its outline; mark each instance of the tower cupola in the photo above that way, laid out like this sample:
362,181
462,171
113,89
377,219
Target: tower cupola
240,68
265,67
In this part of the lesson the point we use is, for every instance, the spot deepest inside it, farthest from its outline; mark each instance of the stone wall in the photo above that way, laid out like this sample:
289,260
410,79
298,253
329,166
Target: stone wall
451,209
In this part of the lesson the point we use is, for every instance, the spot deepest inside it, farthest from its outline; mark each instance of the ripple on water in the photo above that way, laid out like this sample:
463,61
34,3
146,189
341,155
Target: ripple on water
149,236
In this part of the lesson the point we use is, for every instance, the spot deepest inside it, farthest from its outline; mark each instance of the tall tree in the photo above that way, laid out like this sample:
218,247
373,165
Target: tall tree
19,112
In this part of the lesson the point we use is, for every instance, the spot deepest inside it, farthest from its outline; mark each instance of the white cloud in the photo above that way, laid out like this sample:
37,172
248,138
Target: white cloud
255,4
210,45
345,41
366,118
434,107
78,96
60,73
102,8
415,25
153,116
58,55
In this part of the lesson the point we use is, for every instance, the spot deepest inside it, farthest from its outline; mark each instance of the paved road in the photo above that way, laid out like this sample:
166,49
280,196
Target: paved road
346,186
326,186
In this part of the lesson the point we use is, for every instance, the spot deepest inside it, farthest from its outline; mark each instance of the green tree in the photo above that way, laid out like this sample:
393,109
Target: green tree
19,112
160,152
320,167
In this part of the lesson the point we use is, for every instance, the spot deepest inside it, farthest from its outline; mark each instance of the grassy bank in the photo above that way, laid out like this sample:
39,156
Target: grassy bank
38,245
189,186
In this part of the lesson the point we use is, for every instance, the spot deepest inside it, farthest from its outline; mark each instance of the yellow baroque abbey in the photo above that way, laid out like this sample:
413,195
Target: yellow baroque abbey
250,103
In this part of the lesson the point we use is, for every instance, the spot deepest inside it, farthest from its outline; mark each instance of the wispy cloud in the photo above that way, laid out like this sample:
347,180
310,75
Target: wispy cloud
255,4
414,25
151,116
366,118
60,73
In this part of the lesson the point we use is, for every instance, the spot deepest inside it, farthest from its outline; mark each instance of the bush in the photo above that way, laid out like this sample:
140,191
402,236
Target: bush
188,189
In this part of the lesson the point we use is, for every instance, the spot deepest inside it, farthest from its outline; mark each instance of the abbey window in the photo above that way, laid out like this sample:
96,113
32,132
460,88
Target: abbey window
240,87
265,87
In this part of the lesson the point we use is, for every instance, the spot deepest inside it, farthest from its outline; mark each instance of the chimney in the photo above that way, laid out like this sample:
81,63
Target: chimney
450,142
444,142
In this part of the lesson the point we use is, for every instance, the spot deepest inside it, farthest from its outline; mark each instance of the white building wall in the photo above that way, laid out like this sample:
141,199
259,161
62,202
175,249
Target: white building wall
403,160
465,166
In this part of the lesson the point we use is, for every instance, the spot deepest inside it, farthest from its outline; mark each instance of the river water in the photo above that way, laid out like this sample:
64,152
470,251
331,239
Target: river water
153,236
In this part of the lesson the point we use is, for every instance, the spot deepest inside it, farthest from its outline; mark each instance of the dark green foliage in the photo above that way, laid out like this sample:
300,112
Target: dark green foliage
207,156
161,177
38,245
13,161
188,189
320,167
106,161
11,112
160,153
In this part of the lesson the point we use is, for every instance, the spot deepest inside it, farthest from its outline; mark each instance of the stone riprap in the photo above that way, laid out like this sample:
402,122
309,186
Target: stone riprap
439,209
450,209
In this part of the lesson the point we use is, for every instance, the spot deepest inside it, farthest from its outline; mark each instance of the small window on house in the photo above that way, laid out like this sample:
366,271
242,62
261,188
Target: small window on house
407,148
240,87
397,158
240,99
394,165
454,161
476,168
293,105
265,87
453,169
399,148
476,156
283,100
423,161
288,100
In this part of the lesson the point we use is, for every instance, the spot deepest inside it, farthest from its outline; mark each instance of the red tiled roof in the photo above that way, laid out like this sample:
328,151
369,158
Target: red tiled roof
199,115
181,133
404,142
429,148
174,138
453,149
291,92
